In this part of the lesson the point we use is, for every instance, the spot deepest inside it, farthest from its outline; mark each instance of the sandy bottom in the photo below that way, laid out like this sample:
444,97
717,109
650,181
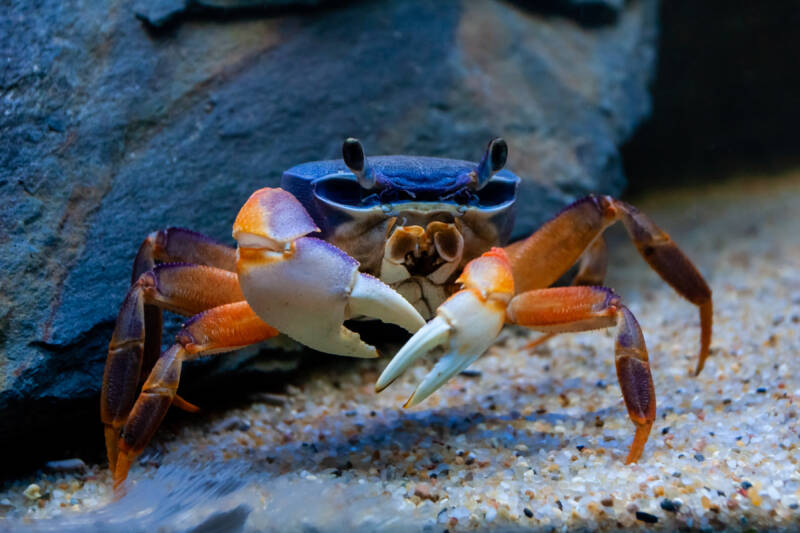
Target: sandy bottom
526,438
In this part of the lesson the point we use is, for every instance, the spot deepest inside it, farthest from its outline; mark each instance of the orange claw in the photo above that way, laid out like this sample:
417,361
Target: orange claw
183,405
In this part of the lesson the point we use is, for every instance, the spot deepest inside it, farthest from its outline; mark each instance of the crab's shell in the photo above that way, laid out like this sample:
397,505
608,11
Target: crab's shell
330,193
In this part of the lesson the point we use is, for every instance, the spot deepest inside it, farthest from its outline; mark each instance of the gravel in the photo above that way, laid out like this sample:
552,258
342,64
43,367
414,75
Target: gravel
523,440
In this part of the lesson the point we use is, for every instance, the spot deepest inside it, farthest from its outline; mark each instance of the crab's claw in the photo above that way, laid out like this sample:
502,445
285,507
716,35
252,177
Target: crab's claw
465,325
306,287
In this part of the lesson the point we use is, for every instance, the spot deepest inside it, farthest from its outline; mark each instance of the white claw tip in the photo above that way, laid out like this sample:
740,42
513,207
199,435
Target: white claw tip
432,334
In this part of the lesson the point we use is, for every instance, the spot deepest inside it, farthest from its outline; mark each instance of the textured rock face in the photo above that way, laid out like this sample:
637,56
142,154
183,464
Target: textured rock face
111,129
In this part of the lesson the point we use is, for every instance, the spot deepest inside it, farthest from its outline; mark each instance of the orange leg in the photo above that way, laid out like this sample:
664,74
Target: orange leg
563,309
184,289
591,272
221,329
174,245
542,258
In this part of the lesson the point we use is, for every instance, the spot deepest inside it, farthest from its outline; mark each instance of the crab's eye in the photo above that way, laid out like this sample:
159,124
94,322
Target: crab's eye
492,161
353,155
498,152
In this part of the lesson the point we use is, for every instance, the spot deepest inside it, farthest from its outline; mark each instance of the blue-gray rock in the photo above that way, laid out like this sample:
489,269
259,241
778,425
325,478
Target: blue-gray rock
110,130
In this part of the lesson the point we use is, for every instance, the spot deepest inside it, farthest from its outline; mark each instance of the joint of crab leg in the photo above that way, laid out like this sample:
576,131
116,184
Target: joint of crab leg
493,160
465,325
674,267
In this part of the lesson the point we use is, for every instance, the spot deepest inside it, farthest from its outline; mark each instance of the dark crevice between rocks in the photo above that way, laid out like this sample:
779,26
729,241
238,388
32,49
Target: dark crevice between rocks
725,97
587,13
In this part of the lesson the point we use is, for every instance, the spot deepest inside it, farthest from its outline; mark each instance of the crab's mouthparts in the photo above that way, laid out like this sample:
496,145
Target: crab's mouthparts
425,251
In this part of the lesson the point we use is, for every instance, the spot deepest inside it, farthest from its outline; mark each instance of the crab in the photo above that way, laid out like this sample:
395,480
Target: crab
401,239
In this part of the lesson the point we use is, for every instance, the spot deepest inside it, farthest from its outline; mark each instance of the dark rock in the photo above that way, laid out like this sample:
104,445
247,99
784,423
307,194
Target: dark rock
110,131
646,517
671,506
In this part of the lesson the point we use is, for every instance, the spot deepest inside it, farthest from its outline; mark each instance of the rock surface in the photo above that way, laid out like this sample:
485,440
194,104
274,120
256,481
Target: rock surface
111,129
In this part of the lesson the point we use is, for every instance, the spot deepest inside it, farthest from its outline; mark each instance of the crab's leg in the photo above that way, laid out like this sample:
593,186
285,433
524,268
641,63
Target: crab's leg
185,289
221,329
593,265
591,272
563,309
542,258
174,245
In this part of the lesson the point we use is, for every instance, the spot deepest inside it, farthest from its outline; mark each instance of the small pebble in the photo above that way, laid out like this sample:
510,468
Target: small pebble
424,492
528,512
646,517
746,485
670,505
699,457
33,492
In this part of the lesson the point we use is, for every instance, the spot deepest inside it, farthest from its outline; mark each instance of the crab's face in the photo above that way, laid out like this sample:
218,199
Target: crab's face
414,222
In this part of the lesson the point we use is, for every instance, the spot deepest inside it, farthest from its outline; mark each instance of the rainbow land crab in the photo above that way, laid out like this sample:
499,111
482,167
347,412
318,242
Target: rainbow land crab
396,238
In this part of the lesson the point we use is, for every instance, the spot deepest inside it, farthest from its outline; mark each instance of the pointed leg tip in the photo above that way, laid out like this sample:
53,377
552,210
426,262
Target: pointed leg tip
639,441
183,405
124,461
112,436
121,471
634,455
701,364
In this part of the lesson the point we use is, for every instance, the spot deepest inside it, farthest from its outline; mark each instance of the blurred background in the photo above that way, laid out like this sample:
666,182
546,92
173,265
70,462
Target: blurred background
120,118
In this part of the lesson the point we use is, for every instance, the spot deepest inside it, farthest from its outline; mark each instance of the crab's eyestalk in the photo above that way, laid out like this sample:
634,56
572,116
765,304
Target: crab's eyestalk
356,161
492,161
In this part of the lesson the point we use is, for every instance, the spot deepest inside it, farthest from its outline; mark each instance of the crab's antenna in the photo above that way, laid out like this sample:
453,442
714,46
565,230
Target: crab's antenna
492,161
353,155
